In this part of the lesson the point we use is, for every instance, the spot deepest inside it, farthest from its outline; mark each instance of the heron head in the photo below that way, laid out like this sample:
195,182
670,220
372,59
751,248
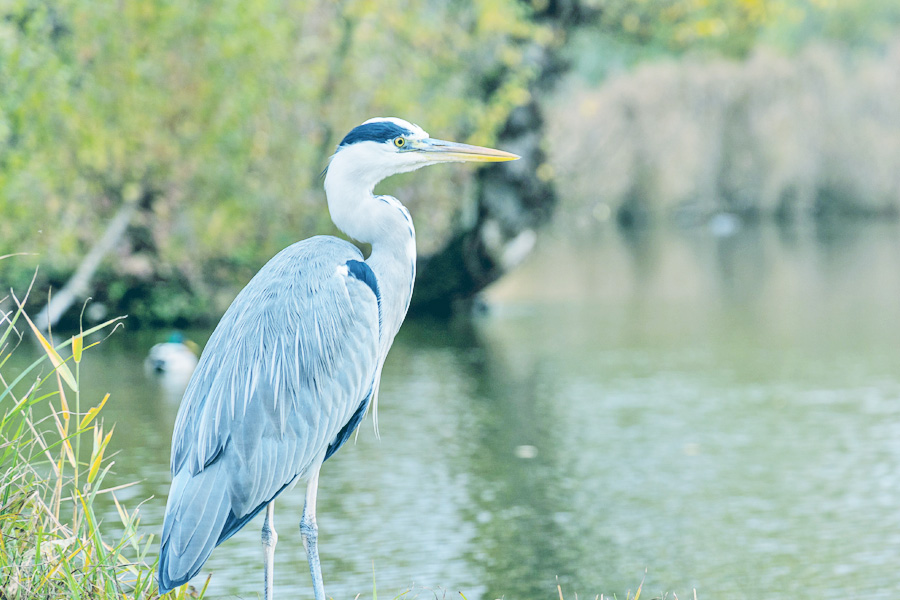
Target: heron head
385,146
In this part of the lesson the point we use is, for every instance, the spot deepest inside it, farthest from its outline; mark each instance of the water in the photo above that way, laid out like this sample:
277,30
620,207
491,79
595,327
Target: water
723,413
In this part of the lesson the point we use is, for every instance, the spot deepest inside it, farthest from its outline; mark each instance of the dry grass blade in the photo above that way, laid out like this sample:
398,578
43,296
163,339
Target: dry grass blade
77,348
58,363
92,413
64,436
99,449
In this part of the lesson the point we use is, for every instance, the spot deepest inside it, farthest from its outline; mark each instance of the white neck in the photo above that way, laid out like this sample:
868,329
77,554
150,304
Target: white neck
380,221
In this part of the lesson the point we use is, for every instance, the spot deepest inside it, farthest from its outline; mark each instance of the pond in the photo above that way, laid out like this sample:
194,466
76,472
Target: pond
709,412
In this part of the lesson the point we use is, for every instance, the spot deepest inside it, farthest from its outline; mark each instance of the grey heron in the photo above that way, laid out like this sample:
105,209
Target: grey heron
295,362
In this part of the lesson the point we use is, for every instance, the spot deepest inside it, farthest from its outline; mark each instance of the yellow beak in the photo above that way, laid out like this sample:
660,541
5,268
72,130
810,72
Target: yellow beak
443,151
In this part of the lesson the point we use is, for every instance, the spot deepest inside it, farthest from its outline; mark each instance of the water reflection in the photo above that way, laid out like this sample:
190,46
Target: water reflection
723,411
514,475
729,386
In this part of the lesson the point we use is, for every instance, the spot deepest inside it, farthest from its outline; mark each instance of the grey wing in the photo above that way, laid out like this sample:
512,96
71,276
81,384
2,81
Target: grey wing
288,367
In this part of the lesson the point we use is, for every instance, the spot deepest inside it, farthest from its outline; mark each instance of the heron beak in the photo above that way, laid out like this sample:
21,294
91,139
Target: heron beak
443,151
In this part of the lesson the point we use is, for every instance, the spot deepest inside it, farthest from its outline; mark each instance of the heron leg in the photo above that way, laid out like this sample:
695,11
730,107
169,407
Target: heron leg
269,539
309,532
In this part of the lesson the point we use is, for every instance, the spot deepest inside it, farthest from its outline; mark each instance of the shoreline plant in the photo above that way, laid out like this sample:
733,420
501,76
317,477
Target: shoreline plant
53,465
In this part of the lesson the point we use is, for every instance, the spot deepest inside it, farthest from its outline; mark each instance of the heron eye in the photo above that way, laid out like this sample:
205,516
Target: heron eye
399,142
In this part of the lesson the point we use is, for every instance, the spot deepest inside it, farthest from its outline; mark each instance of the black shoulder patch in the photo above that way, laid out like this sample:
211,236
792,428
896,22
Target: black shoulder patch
360,270
379,131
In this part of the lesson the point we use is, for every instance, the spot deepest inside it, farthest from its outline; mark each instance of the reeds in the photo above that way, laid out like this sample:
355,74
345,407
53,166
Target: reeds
789,137
53,465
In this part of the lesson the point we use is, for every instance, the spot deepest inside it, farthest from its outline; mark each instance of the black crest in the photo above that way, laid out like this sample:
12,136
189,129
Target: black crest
379,131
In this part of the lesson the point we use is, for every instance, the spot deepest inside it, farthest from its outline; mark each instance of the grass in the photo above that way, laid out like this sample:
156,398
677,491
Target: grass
53,464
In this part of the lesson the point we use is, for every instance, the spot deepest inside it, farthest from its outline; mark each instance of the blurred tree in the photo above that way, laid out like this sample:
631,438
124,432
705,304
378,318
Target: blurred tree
215,120
729,26
627,32
215,117
855,23
514,200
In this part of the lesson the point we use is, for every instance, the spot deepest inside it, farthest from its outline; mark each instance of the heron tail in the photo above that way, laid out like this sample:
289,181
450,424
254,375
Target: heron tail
196,513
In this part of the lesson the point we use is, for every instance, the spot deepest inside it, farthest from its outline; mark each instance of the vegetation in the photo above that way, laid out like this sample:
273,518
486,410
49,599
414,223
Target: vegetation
53,463
629,32
811,135
216,120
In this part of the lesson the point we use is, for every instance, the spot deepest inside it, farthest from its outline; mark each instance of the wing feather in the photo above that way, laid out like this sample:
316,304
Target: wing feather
281,376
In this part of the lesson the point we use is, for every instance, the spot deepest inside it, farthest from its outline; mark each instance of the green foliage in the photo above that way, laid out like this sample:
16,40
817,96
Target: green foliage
855,23
218,118
633,31
728,26
53,462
